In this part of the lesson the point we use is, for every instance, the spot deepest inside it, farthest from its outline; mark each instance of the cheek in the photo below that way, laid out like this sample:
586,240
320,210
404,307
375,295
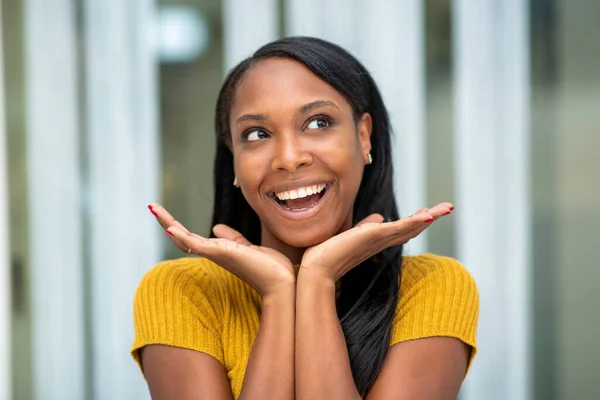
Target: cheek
344,157
349,167
250,169
351,180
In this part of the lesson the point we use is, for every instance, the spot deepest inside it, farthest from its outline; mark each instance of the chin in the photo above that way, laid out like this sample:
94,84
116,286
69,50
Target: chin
303,238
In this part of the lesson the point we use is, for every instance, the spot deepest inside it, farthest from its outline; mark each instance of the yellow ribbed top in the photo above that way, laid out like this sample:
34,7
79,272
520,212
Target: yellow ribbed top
194,304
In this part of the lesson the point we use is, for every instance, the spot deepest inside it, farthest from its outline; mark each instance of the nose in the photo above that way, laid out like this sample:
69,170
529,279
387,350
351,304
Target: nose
290,154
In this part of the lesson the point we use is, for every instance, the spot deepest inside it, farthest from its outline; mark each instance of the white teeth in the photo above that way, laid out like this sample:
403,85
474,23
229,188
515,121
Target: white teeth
300,192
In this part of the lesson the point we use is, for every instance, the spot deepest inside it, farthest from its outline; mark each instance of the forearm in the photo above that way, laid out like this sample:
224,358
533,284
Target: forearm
322,362
270,370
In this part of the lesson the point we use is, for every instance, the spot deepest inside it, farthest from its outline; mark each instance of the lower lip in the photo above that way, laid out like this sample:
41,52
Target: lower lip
305,213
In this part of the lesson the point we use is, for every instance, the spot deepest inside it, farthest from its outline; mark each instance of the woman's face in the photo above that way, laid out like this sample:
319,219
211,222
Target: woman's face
298,153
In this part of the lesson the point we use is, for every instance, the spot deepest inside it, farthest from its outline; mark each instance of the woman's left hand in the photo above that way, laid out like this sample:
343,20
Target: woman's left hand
339,254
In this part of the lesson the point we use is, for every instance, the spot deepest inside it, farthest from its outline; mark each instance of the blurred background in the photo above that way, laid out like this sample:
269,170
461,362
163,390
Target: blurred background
107,105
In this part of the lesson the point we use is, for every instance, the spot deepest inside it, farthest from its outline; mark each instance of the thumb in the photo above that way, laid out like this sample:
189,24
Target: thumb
373,218
224,232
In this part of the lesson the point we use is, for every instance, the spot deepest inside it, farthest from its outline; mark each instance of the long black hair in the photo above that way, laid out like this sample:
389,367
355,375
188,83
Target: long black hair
369,294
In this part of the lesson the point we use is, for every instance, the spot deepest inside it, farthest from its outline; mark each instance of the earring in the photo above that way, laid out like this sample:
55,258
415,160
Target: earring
235,183
370,159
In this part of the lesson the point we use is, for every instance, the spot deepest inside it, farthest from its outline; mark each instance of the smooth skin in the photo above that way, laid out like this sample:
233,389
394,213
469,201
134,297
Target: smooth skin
297,130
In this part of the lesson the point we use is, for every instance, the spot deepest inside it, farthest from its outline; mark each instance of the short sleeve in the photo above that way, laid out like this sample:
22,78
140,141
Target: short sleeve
438,297
175,305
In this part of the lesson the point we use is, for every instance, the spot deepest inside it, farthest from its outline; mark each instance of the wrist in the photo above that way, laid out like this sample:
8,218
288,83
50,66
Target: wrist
284,293
308,276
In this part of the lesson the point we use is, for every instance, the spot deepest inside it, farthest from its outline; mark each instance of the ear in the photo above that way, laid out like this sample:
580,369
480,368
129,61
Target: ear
364,128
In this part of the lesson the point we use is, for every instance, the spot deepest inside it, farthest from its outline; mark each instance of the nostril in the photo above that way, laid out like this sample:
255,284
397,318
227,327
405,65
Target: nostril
291,165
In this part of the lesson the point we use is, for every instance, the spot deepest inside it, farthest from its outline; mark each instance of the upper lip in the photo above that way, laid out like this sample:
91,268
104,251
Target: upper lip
296,185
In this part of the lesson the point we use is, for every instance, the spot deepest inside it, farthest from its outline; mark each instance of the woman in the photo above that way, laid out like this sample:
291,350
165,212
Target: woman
303,291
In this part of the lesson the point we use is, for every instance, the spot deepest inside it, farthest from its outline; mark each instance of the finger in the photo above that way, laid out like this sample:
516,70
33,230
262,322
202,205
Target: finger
166,221
403,230
422,210
373,218
437,211
441,210
176,241
431,214
381,234
164,218
185,241
375,237
225,232
188,242
418,220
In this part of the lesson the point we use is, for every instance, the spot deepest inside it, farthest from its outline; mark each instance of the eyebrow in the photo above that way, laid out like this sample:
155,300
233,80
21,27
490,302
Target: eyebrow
251,117
302,110
316,104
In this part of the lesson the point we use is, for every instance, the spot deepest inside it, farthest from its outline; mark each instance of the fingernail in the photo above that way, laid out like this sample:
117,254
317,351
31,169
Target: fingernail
448,213
168,232
429,220
152,211
451,208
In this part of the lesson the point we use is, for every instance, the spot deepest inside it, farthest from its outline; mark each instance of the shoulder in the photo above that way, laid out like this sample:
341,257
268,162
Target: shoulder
434,272
191,285
185,275
181,303
438,297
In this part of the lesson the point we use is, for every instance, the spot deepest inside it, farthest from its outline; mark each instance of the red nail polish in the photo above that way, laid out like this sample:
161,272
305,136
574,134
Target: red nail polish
168,232
448,213
152,211
451,208
429,220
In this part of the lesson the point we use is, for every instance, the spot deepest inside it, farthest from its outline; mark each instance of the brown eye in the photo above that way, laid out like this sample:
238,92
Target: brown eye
255,134
318,123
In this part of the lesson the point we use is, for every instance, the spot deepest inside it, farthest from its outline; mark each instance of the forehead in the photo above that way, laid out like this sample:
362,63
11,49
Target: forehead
280,84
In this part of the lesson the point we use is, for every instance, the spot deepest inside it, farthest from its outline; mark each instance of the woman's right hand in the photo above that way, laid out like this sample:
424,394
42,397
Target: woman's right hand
266,270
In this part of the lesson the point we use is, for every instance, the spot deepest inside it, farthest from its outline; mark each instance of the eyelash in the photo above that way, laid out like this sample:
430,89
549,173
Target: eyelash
330,123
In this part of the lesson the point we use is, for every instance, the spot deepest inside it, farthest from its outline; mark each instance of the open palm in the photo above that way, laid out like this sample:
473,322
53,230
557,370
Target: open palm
263,268
339,254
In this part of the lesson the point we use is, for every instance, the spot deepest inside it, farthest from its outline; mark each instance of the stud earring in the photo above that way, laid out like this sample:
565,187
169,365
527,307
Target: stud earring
235,182
370,159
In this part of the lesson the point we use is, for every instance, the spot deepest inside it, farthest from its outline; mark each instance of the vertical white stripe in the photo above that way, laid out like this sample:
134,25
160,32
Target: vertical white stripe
387,37
5,287
334,20
491,145
54,199
305,18
123,164
393,51
248,24
516,167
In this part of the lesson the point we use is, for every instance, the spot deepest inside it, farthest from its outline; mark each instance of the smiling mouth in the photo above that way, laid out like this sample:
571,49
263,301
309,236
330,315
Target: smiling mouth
300,199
